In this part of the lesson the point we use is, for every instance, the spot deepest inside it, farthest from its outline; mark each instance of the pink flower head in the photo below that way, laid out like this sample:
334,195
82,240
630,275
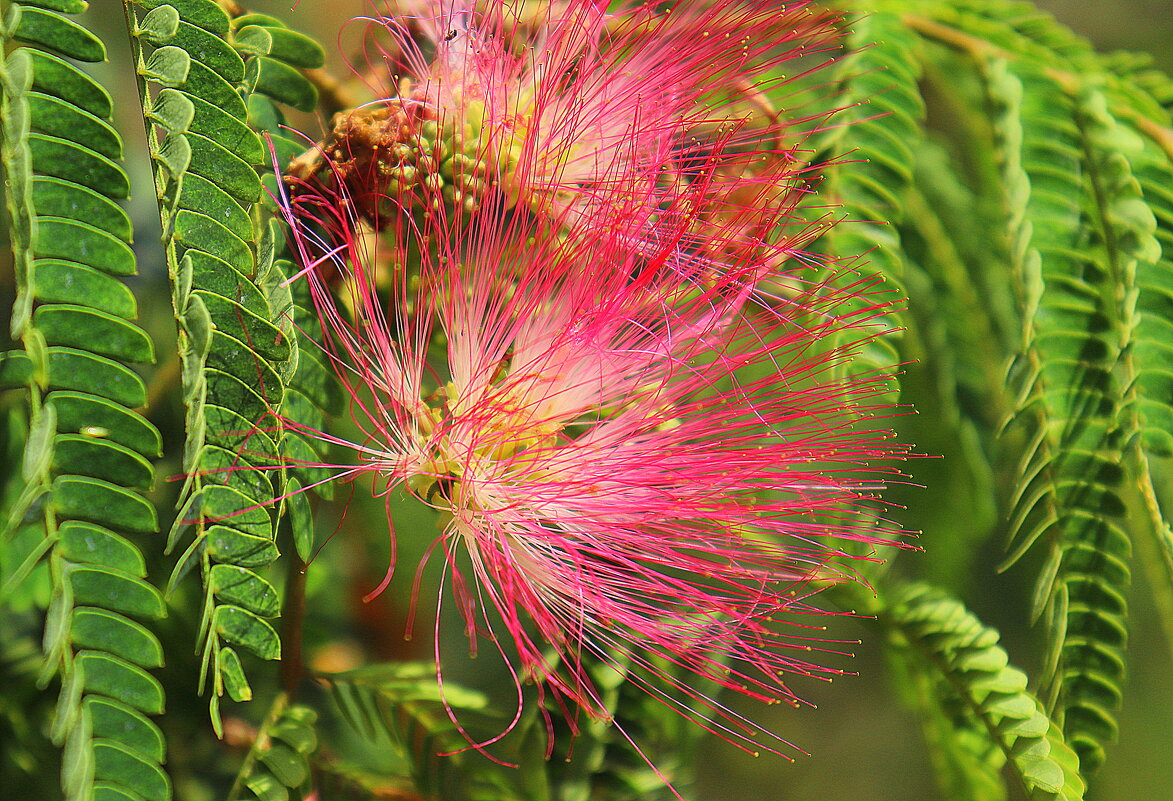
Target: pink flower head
552,104
638,450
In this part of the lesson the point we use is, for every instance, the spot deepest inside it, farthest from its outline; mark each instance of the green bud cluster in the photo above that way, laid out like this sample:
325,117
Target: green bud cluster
445,163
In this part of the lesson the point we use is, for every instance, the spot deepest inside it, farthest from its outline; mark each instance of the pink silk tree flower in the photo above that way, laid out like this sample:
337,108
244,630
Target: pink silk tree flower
641,455
633,463
551,104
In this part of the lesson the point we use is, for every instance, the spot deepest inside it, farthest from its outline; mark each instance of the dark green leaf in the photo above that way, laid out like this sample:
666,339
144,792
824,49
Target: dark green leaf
103,630
59,78
287,765
211,51
102,502
66,282
220,466
229,354
241,627
53,197
111,589
298,408
94,416
122,681
116,721
90,544
62,158
99,332
237,585
85,372
235,682
301,520
260,335
229,546
302,460
49,115
263,114
252,441
280,82
282,44
225,169
60,34
217,275
60,238
207,85
298,735
229,391
114,762
229,507
200,232
106,460
226,130
317,382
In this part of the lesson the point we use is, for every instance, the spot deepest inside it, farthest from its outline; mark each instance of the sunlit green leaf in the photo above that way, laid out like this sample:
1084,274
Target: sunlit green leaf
110,676
243,628
60,34
111,589
283,44
104,630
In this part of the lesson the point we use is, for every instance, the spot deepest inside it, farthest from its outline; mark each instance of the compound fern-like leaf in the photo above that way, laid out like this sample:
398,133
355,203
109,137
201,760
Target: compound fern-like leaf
974,670
88,453
217,77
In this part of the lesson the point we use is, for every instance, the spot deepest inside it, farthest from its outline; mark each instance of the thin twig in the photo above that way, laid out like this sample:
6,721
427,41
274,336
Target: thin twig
292,618
333,97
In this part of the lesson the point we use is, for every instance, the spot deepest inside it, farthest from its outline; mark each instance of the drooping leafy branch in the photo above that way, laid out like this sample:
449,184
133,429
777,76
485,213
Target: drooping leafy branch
209,83
969,669
87,453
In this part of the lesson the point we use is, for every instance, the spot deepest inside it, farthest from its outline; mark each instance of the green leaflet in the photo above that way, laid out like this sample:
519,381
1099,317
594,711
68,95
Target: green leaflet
57,118
57,77
278,762
101,628
50,31
79,285
53,197
92,544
